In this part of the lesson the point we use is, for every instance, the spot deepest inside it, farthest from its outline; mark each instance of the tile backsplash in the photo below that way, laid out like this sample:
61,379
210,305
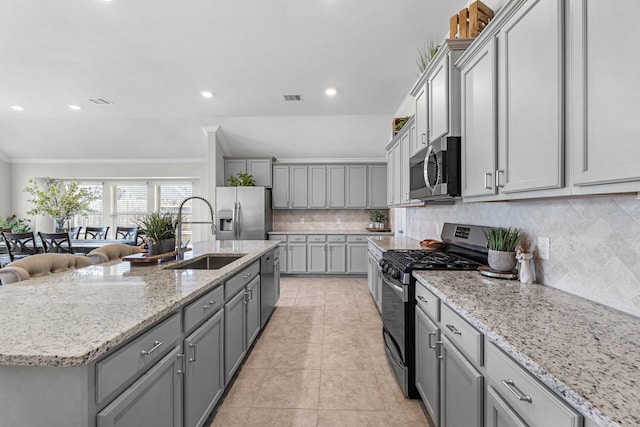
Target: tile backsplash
594,241
320,219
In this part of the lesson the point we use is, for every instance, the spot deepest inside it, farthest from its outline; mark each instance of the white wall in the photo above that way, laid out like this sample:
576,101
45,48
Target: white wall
5,189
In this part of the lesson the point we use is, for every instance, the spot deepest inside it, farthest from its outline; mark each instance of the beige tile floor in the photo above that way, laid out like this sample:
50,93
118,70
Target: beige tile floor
319,362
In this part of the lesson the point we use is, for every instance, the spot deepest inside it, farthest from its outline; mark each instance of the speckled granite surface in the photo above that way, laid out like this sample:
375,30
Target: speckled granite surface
586,352
385,243
72,318
346,232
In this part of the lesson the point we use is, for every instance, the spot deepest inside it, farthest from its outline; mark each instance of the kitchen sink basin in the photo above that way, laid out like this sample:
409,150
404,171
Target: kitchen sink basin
209,262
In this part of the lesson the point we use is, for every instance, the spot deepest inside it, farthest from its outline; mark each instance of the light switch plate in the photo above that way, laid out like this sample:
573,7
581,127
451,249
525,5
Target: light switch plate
543,247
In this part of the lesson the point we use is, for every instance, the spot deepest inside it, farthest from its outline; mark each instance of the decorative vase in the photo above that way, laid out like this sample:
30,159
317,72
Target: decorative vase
161,247
60,224
502,261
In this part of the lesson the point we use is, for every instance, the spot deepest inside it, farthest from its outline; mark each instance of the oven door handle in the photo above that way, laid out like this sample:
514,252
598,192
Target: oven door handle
399,290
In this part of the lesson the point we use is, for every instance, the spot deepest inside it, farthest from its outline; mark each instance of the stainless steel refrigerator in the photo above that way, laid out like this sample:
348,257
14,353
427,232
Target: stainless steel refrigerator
243,213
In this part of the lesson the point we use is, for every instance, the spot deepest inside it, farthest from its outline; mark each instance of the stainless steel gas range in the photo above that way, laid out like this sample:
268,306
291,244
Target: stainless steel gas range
465,248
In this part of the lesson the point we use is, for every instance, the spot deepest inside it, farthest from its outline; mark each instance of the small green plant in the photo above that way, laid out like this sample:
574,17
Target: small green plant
503,239
377,216
400,124
15,224
426,54
158,226
242,179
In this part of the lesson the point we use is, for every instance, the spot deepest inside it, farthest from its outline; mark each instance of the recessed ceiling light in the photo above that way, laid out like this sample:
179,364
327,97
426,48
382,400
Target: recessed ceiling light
207,94
17,108
331,91
74,107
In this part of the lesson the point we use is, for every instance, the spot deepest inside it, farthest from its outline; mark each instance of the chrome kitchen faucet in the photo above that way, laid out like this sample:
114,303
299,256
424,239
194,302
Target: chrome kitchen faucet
179,248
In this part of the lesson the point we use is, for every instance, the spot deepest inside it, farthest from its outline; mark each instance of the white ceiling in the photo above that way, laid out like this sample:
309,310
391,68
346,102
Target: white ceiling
153,57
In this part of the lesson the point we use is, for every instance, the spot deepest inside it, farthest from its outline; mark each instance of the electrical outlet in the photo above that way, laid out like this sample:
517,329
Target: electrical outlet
338,220
301,220
543,247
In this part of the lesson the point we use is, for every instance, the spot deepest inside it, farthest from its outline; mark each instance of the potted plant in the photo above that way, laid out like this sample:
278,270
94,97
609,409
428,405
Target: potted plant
160,229
377,218
242,179
60,201
502,244
14,224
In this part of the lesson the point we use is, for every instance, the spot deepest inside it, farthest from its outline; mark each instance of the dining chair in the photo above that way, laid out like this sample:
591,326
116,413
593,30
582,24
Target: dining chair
128,233
96,232
56,242
20,245
74,232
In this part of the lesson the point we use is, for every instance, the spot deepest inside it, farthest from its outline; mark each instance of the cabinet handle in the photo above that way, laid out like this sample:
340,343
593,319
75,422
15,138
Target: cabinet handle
245,295
511,385
250,293
428,133
439,355
156,345
499,182
423,299
431,334
487,181
453,329
194,347
207,307
246,275
181,370
424,138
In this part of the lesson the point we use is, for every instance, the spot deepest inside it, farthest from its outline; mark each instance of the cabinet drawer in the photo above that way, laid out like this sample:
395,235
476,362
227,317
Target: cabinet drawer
336,238
462,334
427,300
237,282
317,238
203,308
132,359
297,238
362,239
530,399
281,237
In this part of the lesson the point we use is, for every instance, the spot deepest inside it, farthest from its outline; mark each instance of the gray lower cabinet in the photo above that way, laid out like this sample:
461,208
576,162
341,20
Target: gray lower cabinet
461,389
336,258
427,363
499,413
357,249
154,400
235,330
204,370
252,303
316,258
297,258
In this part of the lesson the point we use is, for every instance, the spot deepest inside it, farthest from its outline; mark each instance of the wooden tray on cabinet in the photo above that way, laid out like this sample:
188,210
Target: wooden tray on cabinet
144,258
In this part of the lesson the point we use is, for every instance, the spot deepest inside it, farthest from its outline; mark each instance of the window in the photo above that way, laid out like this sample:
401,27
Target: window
170,197
130,201
95,218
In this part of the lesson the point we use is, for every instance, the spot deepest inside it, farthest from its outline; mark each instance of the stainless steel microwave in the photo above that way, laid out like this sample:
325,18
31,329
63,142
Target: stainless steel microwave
434,172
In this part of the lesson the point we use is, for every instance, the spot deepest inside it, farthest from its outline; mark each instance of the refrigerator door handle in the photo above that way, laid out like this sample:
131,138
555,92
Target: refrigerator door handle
236,220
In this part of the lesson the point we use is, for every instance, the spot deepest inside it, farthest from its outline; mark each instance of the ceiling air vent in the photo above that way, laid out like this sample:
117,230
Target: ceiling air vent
99,101
292,97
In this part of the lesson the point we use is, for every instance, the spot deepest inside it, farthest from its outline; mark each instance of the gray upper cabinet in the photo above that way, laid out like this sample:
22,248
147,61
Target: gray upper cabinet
317,187
378,186
280,194
399,153
261,169
422,110
298,183
356,186
603,102
335,184
438,109
405,156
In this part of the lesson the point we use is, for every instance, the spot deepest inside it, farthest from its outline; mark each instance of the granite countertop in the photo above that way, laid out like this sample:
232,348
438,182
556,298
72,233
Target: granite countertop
72,318
584,351
385,243
364,232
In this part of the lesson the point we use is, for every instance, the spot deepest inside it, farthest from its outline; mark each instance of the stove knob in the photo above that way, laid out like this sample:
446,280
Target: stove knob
394,273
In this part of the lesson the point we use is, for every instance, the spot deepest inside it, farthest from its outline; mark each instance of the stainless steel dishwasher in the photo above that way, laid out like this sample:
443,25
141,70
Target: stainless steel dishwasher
269,284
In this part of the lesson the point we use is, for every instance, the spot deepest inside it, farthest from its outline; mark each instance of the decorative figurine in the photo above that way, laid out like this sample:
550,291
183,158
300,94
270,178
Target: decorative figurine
525,259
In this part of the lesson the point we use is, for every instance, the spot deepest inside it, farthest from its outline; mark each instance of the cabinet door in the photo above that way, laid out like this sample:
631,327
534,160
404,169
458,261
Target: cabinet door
284,256
604,101
438,106
499,413
378,285
235,330
390,173
531,98
297,258
335,183
261,171
421,118
378,186
316,259
357,258
405,154
479,123
280,193
252,301
232,167
204,373
155,400
356,186
397,174
298,185
427,372
336,258
415,144
317,186
370,272
461,389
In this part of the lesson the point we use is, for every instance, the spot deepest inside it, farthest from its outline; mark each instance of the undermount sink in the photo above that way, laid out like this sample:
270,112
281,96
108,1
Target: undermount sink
209,262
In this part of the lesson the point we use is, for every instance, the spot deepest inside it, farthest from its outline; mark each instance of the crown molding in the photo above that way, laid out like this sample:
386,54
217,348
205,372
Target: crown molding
332,160
110,161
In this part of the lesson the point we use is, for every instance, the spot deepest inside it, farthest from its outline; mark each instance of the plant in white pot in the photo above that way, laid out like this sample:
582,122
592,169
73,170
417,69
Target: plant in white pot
160,229
502,243
377,218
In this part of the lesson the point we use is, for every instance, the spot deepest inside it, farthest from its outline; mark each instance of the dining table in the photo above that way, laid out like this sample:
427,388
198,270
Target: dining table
87,245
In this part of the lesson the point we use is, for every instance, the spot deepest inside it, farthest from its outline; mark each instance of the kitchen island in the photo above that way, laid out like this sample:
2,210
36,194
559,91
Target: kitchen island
58,330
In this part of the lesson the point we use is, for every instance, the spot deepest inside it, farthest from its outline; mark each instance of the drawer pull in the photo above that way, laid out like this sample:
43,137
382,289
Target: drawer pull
156,345
246,275
181,370
423,299
208,306
194,347
431,334
453,329
515,390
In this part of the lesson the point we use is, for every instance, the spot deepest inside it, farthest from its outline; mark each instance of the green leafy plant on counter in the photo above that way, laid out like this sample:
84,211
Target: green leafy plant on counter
15,224
377,216
426,54
503,239
242,179
158,226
